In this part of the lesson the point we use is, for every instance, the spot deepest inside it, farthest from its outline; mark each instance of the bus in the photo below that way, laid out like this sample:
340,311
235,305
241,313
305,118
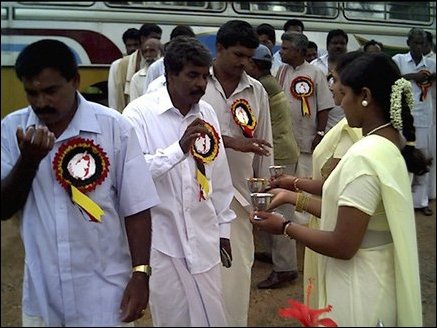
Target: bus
93,29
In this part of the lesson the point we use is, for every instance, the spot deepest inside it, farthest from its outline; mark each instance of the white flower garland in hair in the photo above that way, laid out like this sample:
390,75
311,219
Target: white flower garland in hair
400,86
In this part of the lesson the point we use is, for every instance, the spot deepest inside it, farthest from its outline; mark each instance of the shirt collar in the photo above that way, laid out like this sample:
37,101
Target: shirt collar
83,120
165,104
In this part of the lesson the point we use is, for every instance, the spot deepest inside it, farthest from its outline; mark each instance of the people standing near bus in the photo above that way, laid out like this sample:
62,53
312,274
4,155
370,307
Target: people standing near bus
293,25
151,52
120,74
367,243
267,35
421,72
428,52
157,68
131,40
307,90
336,44
311,51
75,173
247,138
280,251
180,137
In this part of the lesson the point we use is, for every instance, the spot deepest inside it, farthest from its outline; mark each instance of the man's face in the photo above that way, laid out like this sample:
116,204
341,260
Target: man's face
416,43
337,46
264,39
52,97
151,50
289,54
311,54
190,84
131,45
234,59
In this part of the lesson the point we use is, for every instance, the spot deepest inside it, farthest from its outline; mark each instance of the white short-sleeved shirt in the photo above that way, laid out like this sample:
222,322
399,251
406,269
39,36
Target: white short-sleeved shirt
76,270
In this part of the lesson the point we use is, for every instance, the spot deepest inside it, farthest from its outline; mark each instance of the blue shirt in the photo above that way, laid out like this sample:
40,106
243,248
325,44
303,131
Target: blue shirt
76,270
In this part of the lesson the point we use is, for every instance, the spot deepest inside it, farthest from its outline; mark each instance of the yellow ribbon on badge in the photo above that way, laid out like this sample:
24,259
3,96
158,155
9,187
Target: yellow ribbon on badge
203,183
87,204
305,107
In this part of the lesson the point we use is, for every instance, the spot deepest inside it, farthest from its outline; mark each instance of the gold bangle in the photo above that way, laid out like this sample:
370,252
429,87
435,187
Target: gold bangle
296,189
145,268
301,202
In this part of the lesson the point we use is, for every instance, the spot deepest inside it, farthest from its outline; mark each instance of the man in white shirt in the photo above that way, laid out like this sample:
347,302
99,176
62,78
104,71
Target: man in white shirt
421,72
180,137
336,43
122,70
151,51
247,139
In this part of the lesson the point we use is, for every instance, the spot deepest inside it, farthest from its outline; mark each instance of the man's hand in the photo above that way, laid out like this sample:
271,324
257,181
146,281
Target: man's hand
135,297
249,145
193,131
35,144
225,252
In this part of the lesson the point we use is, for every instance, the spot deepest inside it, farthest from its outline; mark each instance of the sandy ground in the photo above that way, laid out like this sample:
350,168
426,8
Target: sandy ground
264,303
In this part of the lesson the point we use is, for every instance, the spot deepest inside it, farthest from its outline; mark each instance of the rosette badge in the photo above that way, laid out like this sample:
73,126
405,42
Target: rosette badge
205,150
80,166
244,117
301,88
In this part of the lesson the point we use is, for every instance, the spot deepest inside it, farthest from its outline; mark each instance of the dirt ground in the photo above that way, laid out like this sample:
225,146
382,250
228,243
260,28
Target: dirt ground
264,304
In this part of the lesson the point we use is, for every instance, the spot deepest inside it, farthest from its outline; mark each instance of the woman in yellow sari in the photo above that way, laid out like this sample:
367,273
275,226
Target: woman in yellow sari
368,266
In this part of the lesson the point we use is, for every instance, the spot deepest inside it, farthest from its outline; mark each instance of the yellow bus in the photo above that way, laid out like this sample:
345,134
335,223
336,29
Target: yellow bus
93,29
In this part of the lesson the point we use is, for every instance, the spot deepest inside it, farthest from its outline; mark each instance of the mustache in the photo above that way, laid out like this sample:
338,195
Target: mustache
199,92
44,110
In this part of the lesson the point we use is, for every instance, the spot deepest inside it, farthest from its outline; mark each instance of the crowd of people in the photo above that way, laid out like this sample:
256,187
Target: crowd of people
146,202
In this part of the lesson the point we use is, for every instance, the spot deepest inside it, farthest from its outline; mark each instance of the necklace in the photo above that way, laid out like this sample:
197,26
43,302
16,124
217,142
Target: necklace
378,128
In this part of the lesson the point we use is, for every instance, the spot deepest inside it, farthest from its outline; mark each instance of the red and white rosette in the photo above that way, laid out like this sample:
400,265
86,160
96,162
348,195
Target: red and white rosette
301,88
80,166
424,86
205,150
244,117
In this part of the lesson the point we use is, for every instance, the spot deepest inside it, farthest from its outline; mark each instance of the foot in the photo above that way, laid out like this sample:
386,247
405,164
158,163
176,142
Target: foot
425,210
263,257
277,279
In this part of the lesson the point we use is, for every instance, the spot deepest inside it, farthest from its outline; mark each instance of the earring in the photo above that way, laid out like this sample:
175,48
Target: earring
364,103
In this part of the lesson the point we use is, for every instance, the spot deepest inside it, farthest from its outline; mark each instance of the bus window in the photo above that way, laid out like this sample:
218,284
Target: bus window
287,8
170,5
411,11
390,11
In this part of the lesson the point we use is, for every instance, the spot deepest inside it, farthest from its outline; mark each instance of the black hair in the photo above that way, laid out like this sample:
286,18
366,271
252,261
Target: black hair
182,30
379,72
44,54
312,44
268,30
148,28
345,59
372,43
236,32
334,33
182,50
293,22
131,33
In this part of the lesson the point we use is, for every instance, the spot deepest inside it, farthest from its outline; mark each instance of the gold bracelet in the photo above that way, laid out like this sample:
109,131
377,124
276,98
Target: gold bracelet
301,202
296,189
144,268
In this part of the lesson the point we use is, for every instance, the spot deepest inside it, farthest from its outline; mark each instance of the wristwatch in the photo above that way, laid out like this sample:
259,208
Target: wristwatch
321,133
145,268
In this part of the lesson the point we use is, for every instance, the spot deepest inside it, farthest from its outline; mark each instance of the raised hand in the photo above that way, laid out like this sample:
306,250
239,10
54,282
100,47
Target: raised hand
193,131
35,143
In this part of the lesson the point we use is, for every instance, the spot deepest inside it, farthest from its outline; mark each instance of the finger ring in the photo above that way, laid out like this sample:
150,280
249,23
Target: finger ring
143,311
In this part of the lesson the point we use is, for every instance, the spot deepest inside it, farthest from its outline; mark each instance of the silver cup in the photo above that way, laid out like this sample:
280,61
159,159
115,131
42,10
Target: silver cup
257,184
260,201
276,170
